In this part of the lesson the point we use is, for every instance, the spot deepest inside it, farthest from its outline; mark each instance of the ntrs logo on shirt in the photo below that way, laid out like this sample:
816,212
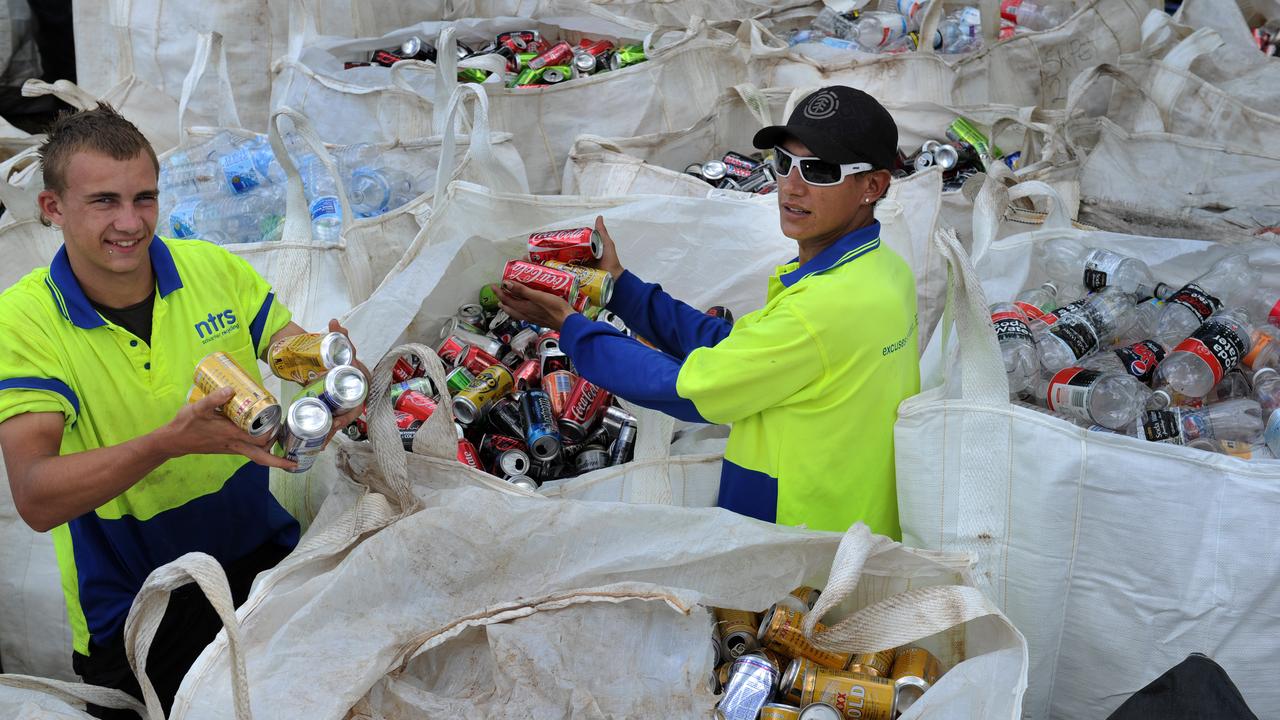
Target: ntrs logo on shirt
215,326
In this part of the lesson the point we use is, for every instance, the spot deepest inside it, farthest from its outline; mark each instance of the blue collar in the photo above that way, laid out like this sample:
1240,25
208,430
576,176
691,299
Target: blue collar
74,304
846,249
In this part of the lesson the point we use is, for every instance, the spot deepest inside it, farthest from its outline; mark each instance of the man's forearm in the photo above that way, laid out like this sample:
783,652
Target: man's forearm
676,328
58,489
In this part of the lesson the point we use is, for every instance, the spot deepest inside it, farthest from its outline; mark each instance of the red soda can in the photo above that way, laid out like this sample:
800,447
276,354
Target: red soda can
416,404
494,444
403,420
557,385
450,349
385,58
549,340
552,360
557,282
581,303
572,246
584,407
404,370
477,360
559,54
595,48
467,454
528,375
422,386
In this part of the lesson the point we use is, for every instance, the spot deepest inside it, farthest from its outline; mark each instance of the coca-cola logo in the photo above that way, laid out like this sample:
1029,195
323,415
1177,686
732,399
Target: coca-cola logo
584,400
560,236
530,274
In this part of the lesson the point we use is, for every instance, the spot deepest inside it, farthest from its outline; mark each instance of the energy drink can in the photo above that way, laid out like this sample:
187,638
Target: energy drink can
597,285
620,450
527,77
626,56
590,459
780,630
583,408
568,246
449,350
416,404
251,408
851,694
305,431
467,454
963,130
778,711
504,416
738,629
420,385
471,404
458,379
540,277
878,664
407,434
540,432
749,689
342,389
303,358
476,360
557,384
528,375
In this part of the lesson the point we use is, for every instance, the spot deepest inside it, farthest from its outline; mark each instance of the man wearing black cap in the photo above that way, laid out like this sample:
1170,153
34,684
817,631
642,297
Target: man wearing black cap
812,381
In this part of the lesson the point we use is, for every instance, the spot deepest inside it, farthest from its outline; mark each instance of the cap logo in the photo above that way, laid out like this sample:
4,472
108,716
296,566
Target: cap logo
821,105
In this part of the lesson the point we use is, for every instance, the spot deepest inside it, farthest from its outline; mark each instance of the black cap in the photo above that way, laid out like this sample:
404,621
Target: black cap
840,125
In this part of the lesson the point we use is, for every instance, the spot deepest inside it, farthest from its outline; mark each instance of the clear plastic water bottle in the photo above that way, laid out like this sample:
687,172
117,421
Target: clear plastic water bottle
1224,285
1237,420
222,143
1199,363
1264,306
1266,390
1072,262
326,210
1147,314
1264,350
1035,302
877,30
374,191
1139,359
959,32
1112,400
1035,14
234,219
913,11
198,178
831,23
1017,346
1104,317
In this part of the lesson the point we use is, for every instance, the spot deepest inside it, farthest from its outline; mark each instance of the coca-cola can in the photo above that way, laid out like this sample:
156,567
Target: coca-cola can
559,54
476,360
587,402
557,282
467,454
405,369
528,374
576,245
548,340
416,404
450,349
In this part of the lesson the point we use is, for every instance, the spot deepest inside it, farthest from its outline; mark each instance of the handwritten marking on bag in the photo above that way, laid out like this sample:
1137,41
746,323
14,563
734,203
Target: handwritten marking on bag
1061,63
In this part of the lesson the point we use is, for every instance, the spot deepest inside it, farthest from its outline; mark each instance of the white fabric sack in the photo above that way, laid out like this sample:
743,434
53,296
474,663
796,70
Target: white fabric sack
1235,65
453,631
24,697
1116,557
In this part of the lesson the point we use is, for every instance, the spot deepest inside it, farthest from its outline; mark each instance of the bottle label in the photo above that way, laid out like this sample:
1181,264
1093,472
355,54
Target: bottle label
1140,359
1195,299
239,172
181,218
1163,426
1261,341
1010,326
1077,334
1218,344
1099,266
1031,311
1069,391
324,208
1009,10
1053,317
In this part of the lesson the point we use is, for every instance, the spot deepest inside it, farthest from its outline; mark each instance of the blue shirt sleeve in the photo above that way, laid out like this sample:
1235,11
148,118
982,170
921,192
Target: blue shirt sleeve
625,367
664,321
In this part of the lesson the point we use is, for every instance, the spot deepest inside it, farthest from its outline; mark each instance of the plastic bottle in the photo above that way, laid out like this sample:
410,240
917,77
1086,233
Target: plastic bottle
1265,350
1266,390
1112,400
1035,14
1035,302
1104,317
1237,420
831,23
876,30
222,143
1070,261
913,11
1200,362
241,219
374,191
198,178
1017,346
1224,285
959,32
326,210
1264,306
1147,314
1138,359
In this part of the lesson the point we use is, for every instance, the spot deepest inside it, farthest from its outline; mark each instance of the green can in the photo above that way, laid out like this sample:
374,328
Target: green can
458,380
522,59
528,76
472,75
962,130
489,299
626,56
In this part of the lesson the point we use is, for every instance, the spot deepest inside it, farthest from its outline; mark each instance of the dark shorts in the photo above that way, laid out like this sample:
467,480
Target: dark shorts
189,625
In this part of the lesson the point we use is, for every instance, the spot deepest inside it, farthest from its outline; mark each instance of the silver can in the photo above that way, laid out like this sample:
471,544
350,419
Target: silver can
512,463
524,481
342,389
304,432
472,314
463,330
821,711
615,418
621,448
714,170
524,343
750,688
585,63
591,458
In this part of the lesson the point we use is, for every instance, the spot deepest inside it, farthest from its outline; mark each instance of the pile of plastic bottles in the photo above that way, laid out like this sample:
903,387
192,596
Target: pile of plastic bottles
231,189
1196,366
879,31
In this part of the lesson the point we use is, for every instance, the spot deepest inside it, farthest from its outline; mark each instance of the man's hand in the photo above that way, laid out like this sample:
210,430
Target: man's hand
200,428
524,303
608,261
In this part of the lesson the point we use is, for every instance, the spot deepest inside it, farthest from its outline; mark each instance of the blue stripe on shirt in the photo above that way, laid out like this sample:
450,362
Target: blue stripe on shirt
260,322
625,367
51,384
674,327
748,492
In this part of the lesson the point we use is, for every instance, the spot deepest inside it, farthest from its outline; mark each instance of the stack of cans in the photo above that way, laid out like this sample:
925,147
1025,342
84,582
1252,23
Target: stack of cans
523,413
532,61
735,171
332,387
768,669
964,152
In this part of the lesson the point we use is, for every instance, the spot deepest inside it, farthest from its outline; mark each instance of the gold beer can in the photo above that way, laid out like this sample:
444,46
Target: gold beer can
252,408
878,664
807,595
194,394
916,662
303,358
737,632
780,631
779,711
855,696
596,285
791,683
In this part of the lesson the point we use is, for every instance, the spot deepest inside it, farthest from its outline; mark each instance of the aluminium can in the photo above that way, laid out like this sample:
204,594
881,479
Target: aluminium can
780,630
303,358
252,408
576,245
737,630
343,389
540,432
540,277
305,431
582,410
470,405
596,285
750,688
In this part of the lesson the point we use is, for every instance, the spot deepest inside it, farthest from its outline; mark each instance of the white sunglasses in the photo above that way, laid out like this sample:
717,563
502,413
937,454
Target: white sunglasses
815,171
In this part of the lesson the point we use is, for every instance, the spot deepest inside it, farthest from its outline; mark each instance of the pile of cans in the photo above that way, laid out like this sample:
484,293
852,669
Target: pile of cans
735,171
964,152
522,412
532,61
332,387
768,670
